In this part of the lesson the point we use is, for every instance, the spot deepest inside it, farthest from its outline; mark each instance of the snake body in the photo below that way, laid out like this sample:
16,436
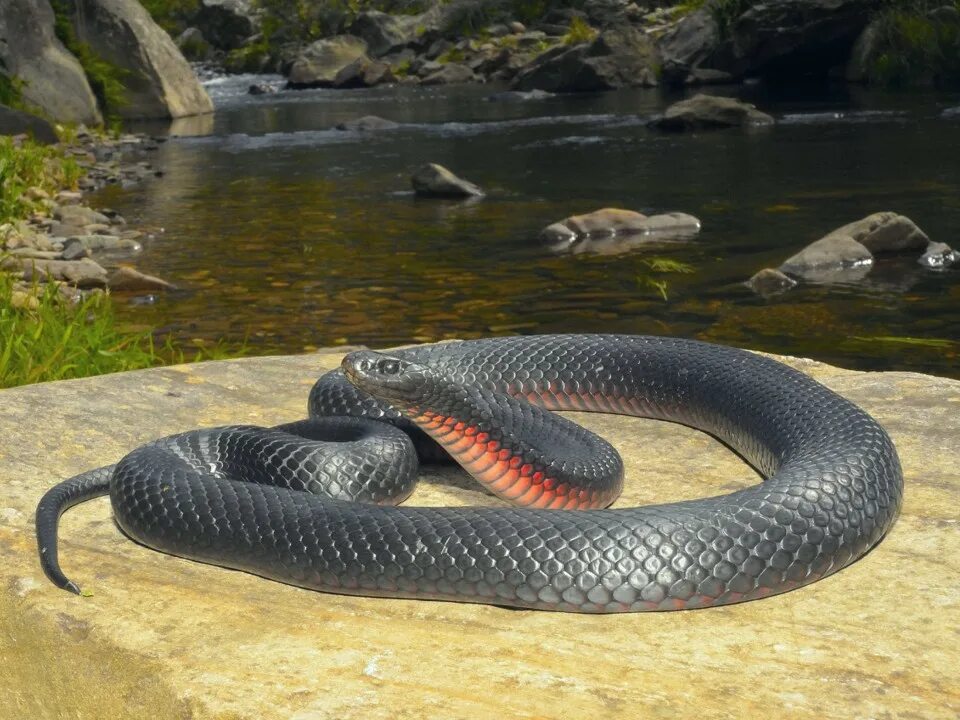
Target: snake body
832,481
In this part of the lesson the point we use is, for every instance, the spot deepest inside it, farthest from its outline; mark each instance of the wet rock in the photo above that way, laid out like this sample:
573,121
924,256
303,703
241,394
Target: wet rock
609,222
122,33
105,242
885,232
953,112
619,57
368,123
829,258
261,89
450,74
434,180
770,281
710,111
132,280
53,80
318,64
939,255
17,122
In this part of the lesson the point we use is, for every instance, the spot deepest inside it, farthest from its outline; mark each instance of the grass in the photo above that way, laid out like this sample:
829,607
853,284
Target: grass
31,165
912,48
661,265
579,32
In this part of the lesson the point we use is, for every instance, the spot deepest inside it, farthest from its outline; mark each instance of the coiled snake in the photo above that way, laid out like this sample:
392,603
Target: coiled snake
287,504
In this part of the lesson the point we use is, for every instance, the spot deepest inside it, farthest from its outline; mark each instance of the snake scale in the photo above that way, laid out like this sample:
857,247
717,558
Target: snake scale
313,503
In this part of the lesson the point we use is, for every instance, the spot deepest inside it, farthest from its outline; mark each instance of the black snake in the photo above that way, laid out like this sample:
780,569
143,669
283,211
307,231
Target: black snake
287,504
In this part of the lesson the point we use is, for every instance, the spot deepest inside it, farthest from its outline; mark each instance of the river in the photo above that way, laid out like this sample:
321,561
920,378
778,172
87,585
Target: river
286,234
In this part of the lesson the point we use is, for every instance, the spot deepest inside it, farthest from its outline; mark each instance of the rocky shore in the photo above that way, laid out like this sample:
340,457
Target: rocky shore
68,243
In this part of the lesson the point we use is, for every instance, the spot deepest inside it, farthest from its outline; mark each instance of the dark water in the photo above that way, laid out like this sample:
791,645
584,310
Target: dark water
292,235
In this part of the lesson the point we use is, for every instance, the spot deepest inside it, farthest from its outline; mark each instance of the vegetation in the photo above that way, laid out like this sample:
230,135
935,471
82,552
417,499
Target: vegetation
10,91
171,15
662,266
579,32
31,165
914,47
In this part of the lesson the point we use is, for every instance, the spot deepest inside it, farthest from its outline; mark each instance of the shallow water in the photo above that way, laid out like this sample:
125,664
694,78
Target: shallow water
283,231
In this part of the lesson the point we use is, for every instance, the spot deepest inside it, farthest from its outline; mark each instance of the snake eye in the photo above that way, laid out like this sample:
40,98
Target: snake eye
388,367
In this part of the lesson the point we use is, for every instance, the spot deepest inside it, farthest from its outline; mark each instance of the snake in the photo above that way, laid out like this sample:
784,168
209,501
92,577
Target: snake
317,503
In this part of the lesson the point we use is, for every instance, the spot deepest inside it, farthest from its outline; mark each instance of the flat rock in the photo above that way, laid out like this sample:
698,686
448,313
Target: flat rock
433,180
130,279
79,216
703,112
190,640
608,222
84,273
833,253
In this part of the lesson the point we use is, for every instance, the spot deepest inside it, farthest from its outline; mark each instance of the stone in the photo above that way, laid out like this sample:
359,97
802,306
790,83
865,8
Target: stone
128,279
828,258
52,79
157,629
702,112
105,242
261,89
622,56
194,45
73,249
18,122
953,112
226,24
79,215
519,96
364,72
885,232
438,48
69,197
770,281
368,123
122,33
449,74
84,273
688,45
609,222
384,33
517,27
939,255
434,180
318,64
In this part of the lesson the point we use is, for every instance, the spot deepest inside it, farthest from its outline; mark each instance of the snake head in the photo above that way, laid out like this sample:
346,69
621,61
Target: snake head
387,377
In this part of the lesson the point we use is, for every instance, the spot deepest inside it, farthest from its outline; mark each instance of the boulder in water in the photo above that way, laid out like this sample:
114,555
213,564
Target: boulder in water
434,180
702,112
318,64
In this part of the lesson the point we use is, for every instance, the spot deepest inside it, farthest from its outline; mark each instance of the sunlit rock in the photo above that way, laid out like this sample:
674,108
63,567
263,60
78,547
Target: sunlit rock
434,180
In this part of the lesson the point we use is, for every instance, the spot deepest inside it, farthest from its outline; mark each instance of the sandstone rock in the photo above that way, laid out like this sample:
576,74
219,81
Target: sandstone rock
368,123
226,23
434,180
319,63
619,57
710,111
161,84
450,74
939,255
17,122
52,78
131,280
157,630
770,281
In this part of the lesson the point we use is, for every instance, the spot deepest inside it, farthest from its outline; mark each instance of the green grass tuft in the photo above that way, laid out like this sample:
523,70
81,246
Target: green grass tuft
913,48
31,165
579,32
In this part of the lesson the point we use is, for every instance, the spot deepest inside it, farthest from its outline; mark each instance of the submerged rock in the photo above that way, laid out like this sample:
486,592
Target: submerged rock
939,255
368,123
770,281
434,180
828,257
581,232
703,112
126,278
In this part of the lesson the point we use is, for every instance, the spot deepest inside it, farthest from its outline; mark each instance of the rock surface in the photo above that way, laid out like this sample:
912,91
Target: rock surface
226,23
367,123
703,112
318,64
192,640
159,83
434,180
53,80
770,281
17,122
617,221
